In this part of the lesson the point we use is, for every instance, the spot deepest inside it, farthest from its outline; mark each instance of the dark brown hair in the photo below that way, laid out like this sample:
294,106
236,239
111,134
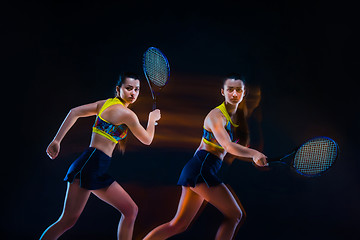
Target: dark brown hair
125,75
235,76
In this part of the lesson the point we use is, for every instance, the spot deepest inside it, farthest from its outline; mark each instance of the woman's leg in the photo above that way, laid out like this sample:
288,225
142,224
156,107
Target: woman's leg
189,205
117,197
220,197
75,201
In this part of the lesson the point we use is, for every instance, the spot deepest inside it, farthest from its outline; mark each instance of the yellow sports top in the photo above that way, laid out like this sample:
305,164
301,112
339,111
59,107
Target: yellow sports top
208,136
112,132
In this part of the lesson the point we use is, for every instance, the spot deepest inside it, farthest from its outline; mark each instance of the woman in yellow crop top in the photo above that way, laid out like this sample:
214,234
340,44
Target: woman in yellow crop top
88,173
199,180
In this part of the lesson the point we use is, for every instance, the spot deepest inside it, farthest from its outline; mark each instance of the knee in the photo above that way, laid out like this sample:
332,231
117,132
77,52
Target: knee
134,210
178,226
68,221
236,216
131,212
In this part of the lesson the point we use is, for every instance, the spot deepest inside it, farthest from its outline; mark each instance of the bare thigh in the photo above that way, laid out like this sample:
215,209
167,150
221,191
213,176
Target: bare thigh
189,204
117,197
220,197
75,201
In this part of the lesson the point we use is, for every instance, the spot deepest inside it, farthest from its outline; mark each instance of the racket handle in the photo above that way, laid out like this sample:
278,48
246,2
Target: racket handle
273,159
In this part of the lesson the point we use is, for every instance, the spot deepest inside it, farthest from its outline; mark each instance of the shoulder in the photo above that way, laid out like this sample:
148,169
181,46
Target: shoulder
126,112
215,116
99,104
101,101
116,114
123,114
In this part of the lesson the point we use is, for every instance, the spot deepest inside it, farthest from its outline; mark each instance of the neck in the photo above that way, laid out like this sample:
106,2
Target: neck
122,101
230,108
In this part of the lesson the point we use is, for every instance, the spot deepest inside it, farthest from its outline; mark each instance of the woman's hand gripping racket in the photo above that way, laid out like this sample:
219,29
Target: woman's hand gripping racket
157,71
313,158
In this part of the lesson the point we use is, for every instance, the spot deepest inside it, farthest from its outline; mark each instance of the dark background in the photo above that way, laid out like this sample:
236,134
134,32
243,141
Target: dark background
301,54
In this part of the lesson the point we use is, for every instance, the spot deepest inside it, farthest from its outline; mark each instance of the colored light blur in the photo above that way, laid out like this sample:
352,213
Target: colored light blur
184,104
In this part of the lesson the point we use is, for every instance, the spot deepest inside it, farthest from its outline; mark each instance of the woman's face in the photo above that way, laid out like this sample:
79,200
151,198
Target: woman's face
129,90
233,91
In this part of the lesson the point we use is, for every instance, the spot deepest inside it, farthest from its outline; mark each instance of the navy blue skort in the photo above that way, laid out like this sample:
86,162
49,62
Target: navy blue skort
202,167
91,168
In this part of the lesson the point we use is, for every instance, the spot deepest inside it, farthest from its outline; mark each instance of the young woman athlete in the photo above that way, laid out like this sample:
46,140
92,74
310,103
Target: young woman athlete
199,178
87,174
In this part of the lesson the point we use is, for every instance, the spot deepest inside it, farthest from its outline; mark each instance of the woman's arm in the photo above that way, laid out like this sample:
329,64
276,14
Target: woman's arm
215,121
82,111
144,135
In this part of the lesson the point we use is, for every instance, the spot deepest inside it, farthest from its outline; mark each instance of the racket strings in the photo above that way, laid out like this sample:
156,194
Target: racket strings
156,67
315,156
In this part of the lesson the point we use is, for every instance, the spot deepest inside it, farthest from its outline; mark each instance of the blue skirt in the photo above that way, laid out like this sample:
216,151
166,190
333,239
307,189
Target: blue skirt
91,168
202,167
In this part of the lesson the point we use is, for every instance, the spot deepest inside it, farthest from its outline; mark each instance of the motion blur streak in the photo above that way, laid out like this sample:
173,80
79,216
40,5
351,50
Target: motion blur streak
184,104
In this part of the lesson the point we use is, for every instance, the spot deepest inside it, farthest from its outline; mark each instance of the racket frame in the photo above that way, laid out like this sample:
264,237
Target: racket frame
154,89
289,158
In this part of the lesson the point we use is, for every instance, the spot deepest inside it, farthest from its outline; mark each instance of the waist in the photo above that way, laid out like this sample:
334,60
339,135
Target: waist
103,144
201,153
96,151
216,151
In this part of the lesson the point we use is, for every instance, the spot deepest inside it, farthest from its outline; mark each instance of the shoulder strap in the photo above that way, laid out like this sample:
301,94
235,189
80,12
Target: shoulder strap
226,114
108,103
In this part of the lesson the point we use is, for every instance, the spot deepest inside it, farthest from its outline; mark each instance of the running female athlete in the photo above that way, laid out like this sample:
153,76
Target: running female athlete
199,178
88,173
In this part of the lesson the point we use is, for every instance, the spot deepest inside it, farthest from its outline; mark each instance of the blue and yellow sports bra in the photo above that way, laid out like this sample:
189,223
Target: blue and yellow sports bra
209,138
112,132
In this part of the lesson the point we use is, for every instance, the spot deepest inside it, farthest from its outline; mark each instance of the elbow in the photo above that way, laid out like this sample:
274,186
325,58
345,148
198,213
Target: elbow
147,141
73,112
227,147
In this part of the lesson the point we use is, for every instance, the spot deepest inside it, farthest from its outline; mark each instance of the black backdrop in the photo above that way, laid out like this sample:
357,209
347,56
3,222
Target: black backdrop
302,55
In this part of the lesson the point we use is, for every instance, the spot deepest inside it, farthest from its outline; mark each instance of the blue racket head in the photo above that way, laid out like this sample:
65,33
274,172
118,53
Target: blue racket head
156,67
315,156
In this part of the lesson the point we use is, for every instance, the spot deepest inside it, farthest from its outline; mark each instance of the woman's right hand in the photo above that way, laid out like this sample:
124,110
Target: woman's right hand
155,115
53,149
260,159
